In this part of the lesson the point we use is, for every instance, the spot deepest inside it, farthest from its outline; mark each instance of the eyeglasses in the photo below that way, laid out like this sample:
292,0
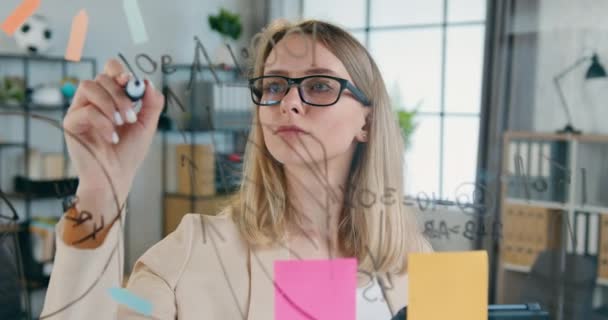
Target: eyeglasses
316,90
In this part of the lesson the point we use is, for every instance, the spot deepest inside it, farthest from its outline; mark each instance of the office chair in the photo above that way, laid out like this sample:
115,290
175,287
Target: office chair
12,289
579,282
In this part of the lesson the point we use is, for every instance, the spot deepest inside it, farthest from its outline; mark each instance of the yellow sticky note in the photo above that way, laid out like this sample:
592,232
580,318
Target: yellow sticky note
448,285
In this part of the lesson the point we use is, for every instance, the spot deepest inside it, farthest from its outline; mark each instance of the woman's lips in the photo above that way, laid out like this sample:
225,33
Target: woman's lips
289,129
290,133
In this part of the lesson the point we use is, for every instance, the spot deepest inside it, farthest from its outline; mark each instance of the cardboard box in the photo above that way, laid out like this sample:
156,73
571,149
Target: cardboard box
178,206
603,249
195,169
529,231
35,164
52,166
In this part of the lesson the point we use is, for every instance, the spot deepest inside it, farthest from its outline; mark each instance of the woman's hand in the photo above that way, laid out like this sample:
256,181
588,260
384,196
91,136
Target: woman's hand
106,140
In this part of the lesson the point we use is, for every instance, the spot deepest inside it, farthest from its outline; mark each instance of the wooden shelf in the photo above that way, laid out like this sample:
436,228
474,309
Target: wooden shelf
33,107
526,269
23,196
568,154
516,268
584,138
557,205
44,58
537,203
11,145
14,227
591,208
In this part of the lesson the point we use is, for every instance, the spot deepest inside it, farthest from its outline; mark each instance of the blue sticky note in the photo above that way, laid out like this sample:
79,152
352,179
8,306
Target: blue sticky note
135,21
123,296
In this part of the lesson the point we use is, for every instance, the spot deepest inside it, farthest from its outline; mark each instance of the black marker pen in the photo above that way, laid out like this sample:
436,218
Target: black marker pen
135,88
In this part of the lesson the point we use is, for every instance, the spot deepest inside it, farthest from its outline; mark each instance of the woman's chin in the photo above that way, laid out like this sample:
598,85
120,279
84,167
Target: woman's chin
290,158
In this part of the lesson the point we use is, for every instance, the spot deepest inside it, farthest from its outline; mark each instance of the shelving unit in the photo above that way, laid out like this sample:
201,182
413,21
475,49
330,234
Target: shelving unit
208,118
24,66
561,174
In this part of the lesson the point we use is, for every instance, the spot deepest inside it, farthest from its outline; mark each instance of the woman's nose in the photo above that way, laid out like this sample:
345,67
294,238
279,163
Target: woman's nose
292,102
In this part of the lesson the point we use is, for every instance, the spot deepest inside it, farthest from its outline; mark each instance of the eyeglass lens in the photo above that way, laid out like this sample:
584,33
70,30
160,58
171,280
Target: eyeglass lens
314,90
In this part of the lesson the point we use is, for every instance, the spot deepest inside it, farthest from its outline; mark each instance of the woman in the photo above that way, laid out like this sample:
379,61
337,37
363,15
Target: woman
323,143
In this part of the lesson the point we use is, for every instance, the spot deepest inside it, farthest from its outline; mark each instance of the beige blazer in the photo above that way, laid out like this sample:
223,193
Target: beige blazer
203,270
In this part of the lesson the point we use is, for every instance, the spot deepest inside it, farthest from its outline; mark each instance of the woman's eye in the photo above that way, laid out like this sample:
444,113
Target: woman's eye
273,88
320,86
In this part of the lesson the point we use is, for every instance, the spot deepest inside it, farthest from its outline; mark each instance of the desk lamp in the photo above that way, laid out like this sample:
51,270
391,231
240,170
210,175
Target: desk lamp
596,70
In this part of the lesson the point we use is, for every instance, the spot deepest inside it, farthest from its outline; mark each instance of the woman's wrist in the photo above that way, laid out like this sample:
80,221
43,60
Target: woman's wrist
91,216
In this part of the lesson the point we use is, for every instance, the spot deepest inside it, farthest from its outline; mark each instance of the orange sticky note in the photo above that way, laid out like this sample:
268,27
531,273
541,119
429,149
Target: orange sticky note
78,35
448,285
18,17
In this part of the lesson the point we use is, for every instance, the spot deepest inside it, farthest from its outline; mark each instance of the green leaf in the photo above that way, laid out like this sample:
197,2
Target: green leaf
226,24
407,124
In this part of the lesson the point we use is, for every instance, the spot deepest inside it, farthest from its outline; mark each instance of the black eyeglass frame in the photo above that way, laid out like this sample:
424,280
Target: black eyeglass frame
344,84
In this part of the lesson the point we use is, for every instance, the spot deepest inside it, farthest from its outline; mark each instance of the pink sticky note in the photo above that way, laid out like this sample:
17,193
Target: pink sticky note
315,289
25,9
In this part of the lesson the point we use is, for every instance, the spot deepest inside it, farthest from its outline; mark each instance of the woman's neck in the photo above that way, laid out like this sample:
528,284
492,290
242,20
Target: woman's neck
317,198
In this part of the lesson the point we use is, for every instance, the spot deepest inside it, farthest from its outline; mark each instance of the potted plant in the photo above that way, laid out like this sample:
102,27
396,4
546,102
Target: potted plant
12,91
407,124
229,26
405,117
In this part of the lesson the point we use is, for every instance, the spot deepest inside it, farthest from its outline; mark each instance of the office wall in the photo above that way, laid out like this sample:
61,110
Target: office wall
566,31
171,27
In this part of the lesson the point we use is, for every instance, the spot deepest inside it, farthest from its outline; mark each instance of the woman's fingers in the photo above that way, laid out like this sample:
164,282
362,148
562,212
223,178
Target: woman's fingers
122,79
152,104
113,68
123,104
91,92
90,118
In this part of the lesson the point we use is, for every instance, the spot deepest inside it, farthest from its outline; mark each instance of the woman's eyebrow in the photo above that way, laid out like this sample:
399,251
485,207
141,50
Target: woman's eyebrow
276,72
307,72
320,71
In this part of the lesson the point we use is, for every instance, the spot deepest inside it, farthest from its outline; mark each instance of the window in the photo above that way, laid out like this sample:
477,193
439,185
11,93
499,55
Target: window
430,53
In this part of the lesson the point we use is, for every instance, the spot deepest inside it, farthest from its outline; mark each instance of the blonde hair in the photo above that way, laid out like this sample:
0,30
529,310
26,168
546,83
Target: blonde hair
379,236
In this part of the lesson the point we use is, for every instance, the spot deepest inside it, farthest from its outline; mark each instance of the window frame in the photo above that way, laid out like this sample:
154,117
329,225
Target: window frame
442,114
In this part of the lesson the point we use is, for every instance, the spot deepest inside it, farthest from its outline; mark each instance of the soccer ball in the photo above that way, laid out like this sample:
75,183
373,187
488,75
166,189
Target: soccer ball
34,36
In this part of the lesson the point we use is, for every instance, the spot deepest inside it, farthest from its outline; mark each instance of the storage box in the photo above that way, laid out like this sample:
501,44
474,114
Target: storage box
177,206
602,271
529,230
52,166
48,166
34,165
195,169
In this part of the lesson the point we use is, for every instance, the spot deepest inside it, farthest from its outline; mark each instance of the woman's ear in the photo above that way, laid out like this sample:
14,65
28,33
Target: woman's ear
362,136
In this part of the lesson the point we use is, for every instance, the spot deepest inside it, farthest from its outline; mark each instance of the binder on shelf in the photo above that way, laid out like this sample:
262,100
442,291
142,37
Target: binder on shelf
195,169
220,107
